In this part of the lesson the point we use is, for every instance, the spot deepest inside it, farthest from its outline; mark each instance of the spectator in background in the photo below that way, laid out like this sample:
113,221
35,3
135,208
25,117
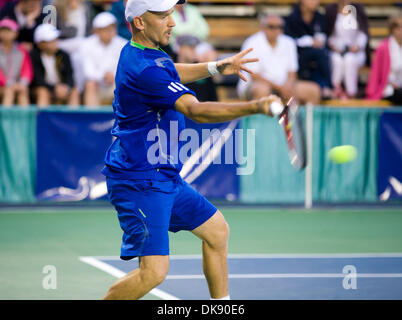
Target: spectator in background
190,22
308,27
15,66
4,2
100,54
28,14
204,88
53,81
101,5
276,70
348,42
123,27
386,71
74,18
189,45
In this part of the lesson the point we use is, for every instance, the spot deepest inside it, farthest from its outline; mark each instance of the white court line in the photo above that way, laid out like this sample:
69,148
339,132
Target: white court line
119,274
287,275
95,262
280,256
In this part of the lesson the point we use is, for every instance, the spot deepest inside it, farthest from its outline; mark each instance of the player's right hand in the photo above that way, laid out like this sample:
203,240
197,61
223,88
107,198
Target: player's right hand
266,105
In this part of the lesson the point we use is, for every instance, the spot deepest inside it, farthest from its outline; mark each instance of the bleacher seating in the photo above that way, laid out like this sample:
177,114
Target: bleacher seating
357,103
232,21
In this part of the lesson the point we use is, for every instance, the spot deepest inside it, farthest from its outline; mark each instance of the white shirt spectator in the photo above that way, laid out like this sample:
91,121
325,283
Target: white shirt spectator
274,63
98,58
395,74
344,36
49,63
345,64
77,18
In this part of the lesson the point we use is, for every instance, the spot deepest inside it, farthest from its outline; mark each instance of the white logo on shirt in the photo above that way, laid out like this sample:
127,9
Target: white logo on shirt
176,87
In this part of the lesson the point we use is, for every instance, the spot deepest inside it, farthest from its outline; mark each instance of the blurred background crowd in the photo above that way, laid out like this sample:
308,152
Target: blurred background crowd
65,52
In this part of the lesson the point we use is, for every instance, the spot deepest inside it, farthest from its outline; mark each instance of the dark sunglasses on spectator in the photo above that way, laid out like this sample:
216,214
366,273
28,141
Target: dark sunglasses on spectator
274,26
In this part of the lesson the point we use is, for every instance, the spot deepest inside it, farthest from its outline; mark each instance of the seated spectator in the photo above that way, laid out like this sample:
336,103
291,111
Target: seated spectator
100,54
101,5
308,27
385,80
123,27
348,39
15,66
53,75
204,88
3,3
190,22
276,70
28,14
74,18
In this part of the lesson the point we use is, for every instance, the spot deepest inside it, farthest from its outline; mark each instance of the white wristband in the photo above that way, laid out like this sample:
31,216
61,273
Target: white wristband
213,68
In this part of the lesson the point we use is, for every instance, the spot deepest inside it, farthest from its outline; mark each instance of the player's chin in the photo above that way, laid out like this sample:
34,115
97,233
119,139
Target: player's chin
165,41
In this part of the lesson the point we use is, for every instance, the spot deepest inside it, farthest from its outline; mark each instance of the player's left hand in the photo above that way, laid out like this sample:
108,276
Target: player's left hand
235,64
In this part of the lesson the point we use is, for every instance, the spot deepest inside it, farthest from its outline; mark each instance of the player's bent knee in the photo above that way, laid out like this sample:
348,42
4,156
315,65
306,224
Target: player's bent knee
219,234
225,232
155,271
154,276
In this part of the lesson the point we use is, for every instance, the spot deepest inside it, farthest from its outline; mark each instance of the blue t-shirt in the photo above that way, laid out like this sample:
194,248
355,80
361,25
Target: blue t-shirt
147,126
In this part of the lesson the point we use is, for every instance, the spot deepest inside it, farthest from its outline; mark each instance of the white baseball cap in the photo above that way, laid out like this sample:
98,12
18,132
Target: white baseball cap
45,33
103,20
136,8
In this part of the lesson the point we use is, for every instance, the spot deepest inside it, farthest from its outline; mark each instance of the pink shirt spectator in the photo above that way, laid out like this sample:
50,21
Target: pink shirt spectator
15,66
379,71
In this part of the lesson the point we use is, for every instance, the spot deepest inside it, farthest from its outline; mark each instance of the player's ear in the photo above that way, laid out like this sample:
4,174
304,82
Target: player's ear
138,23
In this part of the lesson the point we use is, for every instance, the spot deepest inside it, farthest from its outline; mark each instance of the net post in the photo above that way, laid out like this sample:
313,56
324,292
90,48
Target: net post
308,198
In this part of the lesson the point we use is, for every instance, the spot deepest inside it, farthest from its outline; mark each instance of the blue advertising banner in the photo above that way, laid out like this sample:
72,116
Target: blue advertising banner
212,169
390,156
70,151
71,147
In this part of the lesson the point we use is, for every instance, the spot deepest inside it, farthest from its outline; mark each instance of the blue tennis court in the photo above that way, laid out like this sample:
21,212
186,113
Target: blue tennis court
268,276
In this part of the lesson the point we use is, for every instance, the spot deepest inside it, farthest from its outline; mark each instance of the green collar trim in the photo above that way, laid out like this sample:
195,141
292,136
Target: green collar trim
140,46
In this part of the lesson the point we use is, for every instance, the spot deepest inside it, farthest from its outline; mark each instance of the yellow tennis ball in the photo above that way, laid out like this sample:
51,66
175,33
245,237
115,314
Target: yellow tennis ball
342,154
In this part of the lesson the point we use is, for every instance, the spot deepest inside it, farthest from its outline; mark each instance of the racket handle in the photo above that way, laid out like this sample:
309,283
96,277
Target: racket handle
276,108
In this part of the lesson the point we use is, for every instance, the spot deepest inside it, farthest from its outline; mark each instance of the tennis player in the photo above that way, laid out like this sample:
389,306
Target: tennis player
152,199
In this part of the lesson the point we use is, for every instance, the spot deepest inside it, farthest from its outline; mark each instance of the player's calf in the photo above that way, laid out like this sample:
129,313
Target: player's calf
137,283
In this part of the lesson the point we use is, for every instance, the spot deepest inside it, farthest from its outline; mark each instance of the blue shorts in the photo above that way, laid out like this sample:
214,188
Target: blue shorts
148,209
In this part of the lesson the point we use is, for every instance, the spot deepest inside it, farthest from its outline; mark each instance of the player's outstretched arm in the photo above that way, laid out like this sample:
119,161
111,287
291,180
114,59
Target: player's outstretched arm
232,65
215,112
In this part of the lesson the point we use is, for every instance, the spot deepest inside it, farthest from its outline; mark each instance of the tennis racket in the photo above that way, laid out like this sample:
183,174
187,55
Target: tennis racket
291,122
